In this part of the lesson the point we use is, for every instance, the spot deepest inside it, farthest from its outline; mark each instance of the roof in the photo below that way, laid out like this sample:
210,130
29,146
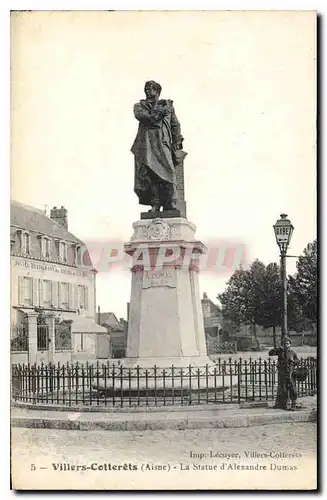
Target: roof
212,304
34,219
108,318
86,325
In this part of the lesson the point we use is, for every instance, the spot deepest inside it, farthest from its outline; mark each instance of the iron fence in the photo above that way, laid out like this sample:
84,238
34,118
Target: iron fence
105,384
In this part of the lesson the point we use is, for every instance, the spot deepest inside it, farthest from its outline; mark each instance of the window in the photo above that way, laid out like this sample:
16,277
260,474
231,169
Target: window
62,251
47,248
65,252
25,290
45,293
12,238
77,255
57,247
41,241
64,295
25,243
82,297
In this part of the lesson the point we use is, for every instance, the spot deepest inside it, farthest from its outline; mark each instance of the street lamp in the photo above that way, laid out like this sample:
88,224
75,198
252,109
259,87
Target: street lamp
283,232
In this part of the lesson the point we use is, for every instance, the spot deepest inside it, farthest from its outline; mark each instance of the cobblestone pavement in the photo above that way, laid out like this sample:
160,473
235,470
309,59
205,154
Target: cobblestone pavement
216,458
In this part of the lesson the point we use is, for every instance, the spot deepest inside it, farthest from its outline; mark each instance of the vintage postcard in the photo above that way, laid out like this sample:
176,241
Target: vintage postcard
163,250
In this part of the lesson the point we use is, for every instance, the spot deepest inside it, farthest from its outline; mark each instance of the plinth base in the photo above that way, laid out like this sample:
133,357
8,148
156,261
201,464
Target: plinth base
166,214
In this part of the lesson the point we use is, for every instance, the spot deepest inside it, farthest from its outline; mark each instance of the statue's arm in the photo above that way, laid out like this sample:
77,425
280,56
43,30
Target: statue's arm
274,352
177,137
143,115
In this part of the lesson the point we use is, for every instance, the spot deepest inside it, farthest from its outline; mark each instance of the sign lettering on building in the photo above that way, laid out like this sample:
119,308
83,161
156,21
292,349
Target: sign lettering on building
51,268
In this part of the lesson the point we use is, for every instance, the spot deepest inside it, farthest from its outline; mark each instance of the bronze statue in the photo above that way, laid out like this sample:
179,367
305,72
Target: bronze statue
157,150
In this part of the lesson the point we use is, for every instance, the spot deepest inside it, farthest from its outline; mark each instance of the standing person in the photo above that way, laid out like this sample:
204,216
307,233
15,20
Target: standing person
157,149
287,359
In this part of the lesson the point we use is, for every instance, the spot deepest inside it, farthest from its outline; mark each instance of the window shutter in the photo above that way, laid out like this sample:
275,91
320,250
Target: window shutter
21,290
34,290
49,248
39,240
70,296
86,298
54,293
78,255
75,297
59,294
41,292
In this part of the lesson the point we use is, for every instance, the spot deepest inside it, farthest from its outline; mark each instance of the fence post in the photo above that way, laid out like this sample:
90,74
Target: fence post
190,383
238,383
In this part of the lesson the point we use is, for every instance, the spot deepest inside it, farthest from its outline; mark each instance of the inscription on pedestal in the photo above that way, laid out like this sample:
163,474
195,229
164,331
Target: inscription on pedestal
159,278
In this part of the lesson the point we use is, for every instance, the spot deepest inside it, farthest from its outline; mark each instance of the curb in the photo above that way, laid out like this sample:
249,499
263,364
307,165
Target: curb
173,422
128,410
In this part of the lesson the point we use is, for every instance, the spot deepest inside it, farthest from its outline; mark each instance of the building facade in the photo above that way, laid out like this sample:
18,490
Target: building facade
212,317
117,330
53,289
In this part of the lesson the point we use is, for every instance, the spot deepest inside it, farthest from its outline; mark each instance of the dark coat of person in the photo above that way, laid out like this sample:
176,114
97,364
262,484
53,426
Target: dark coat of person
156,145
287,362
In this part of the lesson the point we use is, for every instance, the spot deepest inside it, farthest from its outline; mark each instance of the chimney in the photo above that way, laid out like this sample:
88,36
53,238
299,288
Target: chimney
59,215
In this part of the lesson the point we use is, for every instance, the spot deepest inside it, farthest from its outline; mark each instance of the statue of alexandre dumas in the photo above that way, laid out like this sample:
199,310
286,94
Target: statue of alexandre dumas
157,150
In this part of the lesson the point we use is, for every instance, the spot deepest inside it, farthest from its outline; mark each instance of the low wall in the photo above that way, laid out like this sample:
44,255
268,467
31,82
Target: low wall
19,357
297,339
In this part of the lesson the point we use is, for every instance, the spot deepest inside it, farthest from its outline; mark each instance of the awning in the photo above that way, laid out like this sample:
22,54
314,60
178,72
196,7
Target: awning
87,325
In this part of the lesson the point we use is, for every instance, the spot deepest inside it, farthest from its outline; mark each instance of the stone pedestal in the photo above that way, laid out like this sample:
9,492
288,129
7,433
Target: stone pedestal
165,316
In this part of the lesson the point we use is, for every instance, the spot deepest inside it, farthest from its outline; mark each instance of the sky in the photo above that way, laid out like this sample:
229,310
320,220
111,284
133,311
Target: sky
244,90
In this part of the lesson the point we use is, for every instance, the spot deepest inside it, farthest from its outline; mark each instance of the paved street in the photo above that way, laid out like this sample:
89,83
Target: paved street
217,458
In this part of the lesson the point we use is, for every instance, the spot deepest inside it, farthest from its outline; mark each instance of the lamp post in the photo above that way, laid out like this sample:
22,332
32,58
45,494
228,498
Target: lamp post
283,231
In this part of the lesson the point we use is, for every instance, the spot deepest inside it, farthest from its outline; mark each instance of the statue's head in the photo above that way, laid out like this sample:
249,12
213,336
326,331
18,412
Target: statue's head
152,89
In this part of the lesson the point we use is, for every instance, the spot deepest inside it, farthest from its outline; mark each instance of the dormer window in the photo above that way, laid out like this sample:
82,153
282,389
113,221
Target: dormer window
45,245
47,248
77,255
57,242
25,241
12,239
62,251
